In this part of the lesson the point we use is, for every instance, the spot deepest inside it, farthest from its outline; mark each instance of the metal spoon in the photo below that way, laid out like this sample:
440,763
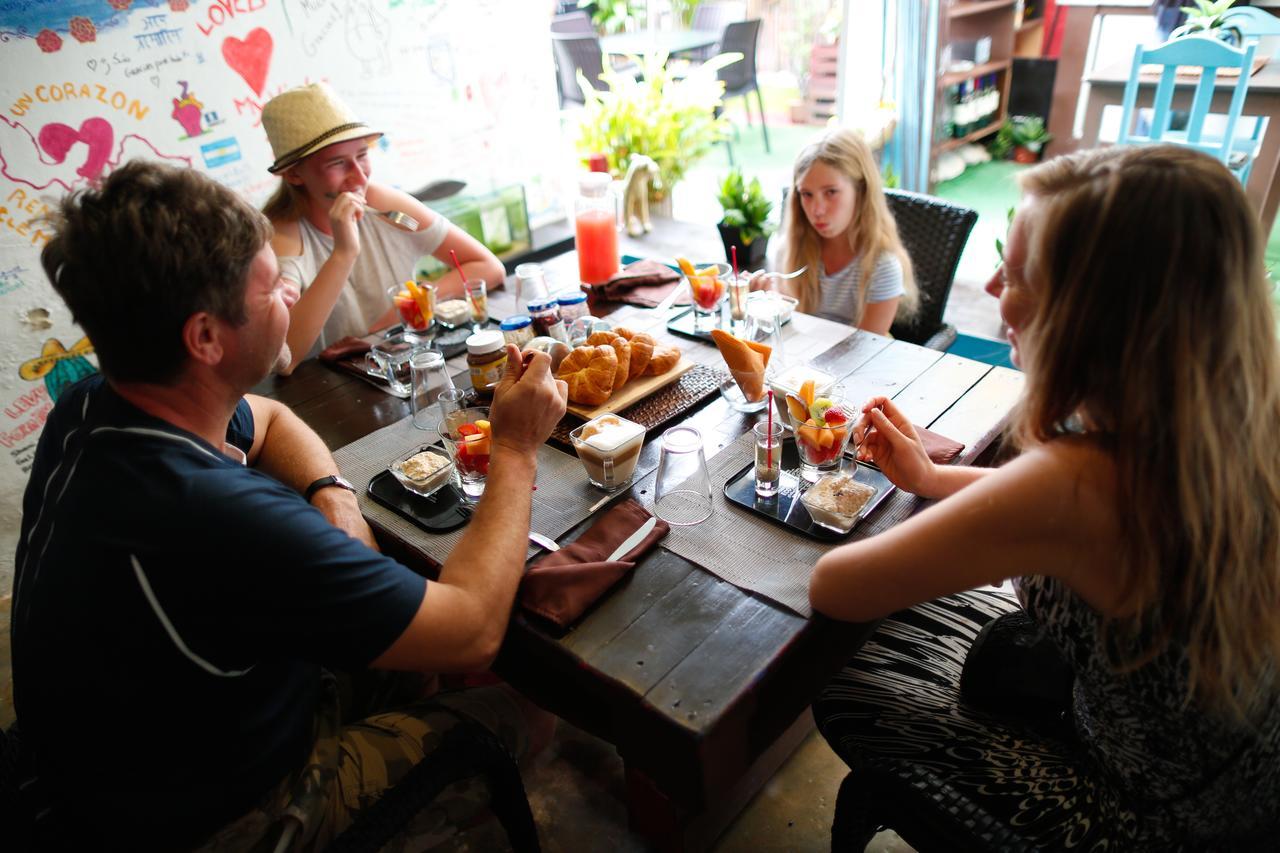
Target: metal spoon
782,276
403,221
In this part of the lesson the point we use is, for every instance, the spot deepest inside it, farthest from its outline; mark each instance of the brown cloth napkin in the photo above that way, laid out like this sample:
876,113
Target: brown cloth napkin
563,584
344,348
940,448
644,283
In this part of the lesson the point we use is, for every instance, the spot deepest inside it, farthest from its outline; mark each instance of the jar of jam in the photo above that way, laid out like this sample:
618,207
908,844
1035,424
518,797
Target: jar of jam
573,304
486,359
518,329
546,320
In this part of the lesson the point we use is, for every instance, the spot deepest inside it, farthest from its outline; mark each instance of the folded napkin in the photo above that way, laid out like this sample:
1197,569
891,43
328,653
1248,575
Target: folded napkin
746,360
563,584
940,448
344,348
644,283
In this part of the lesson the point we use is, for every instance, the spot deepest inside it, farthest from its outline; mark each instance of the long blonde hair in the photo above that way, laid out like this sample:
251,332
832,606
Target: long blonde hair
1155,322
872,230
287,204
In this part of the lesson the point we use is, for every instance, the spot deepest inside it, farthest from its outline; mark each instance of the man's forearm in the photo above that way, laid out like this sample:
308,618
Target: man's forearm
489,560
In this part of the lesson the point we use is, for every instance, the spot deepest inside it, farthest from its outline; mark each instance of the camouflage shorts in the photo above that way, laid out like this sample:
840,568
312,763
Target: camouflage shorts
351,766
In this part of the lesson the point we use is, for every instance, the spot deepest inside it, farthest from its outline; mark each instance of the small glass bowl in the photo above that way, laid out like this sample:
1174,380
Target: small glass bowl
825,517
786,304
453,316
432,484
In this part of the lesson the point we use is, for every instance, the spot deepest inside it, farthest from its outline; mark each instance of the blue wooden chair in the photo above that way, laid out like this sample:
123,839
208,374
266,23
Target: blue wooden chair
1209,55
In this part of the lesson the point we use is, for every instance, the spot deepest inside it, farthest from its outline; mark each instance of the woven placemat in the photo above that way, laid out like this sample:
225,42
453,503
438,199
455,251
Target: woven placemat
661,407
754,554
562,499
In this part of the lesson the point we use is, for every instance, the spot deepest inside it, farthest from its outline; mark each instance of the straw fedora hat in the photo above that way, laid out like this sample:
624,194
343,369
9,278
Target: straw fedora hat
301,121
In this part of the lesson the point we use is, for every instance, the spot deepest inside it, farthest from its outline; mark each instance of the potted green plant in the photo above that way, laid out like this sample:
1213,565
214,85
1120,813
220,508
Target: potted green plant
1203,18
746,219
667,118
1022,136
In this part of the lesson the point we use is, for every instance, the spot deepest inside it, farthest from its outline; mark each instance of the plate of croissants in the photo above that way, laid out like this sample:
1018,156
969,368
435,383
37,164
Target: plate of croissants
614,369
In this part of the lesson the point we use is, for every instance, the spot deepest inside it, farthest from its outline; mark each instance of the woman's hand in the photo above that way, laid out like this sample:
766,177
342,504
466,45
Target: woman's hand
890,441
347,210
761,280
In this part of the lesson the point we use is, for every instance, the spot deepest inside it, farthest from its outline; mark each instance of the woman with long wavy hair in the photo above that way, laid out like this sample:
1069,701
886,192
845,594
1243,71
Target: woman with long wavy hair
838,225
1141,526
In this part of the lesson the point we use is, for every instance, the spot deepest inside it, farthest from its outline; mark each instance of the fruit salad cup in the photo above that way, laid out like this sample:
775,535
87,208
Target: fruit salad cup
416,304
707,287
468,436
822,426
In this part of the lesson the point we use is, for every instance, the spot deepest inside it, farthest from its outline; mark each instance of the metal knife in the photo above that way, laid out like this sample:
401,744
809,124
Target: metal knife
543,541
633,540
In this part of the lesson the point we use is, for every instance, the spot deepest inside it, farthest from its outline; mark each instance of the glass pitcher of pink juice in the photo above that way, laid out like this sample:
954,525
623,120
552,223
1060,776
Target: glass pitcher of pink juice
596,228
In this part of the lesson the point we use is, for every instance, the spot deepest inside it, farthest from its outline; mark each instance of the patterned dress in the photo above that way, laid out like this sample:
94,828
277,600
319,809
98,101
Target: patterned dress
1141,772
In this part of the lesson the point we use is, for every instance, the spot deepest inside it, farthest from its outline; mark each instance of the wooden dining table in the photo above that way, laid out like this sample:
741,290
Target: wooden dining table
702,687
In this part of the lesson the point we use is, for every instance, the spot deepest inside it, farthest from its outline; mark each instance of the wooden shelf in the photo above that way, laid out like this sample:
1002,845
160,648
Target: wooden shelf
972,137
953,77
961,9
1029,24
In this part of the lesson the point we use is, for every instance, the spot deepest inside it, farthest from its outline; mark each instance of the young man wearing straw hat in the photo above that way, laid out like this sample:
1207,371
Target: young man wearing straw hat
329,247
189,567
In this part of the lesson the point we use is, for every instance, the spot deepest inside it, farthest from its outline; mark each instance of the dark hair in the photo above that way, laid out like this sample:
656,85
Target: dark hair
135,257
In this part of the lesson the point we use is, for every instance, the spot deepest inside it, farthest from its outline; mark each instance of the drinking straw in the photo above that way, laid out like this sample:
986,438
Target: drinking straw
470,298
768,439
733,254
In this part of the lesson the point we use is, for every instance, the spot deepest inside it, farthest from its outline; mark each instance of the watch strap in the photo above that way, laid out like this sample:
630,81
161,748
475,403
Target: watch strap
326,482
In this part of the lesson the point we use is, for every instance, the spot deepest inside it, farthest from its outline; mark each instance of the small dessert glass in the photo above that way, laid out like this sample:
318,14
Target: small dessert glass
822,439
610,464
469,450
707,292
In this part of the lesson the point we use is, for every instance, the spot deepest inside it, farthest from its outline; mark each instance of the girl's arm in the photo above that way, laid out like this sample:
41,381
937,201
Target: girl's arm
308,314
1039,514
877,317
477,261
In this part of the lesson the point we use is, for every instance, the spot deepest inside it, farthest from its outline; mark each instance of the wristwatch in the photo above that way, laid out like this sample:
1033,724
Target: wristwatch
326,482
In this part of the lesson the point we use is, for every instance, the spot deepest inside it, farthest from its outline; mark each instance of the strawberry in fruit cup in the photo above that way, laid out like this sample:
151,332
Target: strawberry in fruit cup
473,448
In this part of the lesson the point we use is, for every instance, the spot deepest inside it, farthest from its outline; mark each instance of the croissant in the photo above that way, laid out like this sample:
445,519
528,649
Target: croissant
589,372
664,358
621,347
642,345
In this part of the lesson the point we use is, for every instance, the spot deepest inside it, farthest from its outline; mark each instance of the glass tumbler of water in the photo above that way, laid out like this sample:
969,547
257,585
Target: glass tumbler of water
768,435
430,376
682,492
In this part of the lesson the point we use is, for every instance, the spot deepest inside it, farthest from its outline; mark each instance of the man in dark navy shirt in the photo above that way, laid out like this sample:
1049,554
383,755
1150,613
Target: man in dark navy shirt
176,596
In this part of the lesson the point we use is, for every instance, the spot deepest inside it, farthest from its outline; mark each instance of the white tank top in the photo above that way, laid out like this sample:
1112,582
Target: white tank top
387,256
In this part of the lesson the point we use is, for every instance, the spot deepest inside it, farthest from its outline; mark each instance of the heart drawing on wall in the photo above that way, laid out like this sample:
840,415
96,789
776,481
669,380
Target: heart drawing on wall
57,138
249,58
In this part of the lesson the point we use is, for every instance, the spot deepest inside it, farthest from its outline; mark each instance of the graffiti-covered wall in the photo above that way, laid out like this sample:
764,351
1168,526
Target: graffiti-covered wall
461,88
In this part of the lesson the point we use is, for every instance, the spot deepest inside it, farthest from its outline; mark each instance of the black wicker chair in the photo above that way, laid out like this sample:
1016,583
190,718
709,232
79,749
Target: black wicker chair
739,77
574,51
934,233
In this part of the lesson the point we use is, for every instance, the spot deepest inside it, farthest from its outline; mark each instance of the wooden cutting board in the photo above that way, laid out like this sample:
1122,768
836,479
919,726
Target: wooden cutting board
634,391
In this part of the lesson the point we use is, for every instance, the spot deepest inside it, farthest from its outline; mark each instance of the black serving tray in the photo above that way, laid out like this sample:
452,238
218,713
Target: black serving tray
786,508
439,513
682,325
